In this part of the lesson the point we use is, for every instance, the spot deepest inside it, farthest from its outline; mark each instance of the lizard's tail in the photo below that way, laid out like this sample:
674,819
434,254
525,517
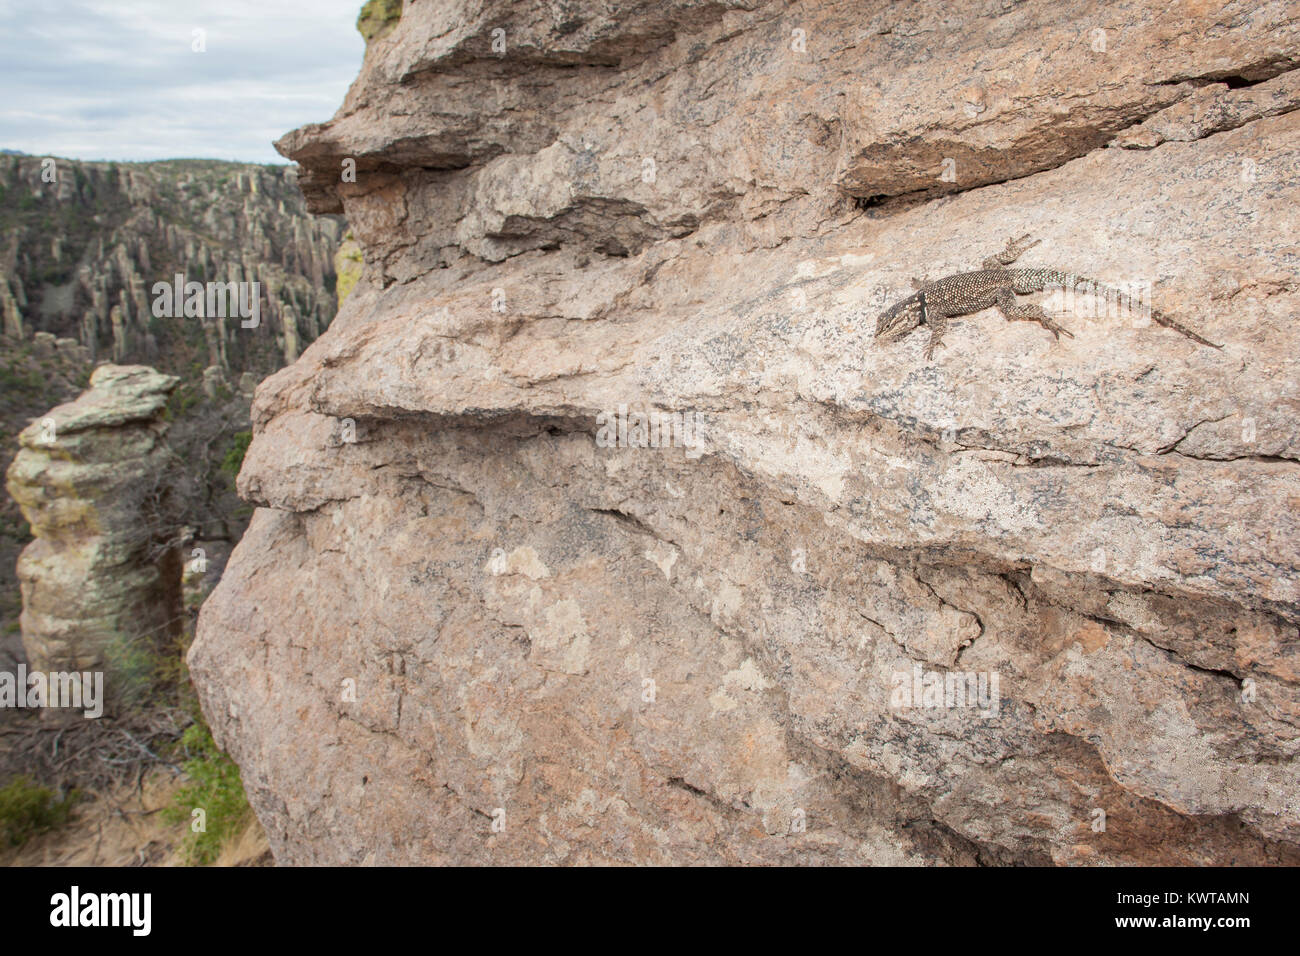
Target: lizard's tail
1169,323
1084,284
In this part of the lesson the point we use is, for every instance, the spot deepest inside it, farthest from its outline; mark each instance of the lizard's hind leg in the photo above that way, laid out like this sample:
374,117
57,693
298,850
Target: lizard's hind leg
1013,251
938,325
1028,312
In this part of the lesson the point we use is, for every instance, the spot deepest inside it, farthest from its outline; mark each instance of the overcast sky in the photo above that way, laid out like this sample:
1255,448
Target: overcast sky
118,79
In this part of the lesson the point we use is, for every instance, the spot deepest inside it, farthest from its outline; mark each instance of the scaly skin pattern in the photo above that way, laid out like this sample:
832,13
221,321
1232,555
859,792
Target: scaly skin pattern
934,303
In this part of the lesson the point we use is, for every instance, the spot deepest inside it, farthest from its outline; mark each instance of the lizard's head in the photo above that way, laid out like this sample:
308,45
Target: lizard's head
901,317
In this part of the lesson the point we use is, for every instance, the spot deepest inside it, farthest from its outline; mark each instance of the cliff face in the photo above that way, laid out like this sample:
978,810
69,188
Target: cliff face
82,244
483,614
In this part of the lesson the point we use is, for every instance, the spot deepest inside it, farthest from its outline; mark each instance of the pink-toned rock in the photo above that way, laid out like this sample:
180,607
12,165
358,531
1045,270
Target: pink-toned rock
477,620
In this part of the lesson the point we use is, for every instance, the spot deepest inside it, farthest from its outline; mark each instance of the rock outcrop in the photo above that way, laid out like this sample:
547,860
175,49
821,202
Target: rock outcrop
101,581
35,375
597,529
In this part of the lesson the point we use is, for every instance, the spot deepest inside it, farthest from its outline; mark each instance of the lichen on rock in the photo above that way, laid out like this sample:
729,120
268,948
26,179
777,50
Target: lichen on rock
378,17
101,581
348,266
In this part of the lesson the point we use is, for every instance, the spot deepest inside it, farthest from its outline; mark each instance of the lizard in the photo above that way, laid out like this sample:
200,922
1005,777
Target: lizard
934,303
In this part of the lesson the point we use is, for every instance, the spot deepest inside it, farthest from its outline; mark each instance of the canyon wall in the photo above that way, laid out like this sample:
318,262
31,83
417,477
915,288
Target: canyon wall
598,528
83,243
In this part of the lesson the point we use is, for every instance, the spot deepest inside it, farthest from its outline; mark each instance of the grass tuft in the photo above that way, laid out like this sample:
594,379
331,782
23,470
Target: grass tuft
27,809
216,789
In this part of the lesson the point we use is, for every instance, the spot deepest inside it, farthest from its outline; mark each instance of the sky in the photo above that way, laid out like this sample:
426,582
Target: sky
121,80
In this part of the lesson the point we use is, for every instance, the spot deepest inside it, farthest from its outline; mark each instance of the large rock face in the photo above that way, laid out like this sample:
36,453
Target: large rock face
101,580
480,618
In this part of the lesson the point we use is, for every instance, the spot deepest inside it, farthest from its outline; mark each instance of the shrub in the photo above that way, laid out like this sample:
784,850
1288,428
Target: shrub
234,459
28,809
214,788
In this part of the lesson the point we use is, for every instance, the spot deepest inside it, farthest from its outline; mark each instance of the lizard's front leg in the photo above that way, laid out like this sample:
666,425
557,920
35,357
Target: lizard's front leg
1013,251
1028,312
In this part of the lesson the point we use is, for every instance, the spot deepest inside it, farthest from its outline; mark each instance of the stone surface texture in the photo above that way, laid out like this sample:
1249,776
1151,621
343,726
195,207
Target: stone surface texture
463,629
101,581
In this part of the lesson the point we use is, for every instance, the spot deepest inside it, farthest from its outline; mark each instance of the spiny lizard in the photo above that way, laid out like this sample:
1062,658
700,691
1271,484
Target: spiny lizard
934,303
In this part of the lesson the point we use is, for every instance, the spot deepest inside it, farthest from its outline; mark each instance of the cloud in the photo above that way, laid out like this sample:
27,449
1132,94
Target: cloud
118,79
